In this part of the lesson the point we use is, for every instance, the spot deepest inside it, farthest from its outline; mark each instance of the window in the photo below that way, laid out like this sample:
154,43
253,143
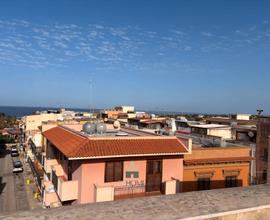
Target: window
113,171
203,183
231,181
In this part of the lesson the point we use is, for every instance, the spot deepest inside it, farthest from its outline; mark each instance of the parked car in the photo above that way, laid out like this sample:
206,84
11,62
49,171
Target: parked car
17,166
14,148
14,152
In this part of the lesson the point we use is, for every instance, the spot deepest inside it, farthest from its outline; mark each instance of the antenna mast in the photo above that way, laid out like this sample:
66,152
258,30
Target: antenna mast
91,83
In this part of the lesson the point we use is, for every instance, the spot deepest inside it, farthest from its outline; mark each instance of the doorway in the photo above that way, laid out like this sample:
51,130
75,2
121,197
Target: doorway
153,175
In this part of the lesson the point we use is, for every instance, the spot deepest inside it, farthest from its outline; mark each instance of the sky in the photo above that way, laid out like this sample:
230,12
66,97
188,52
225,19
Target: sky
208,56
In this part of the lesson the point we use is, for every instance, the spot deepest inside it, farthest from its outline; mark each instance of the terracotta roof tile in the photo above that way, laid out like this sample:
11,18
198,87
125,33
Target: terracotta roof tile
218,160
74,145
64,140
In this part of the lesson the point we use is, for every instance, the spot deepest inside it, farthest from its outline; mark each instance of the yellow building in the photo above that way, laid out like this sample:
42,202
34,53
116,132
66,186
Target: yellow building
32,122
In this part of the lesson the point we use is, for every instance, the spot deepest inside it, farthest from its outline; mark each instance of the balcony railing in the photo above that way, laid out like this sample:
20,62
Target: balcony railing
40,158
54,179
128,190
36,173
109,193
49,196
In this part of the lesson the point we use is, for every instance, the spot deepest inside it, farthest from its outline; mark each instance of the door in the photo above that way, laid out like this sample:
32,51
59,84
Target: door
153,175
204,183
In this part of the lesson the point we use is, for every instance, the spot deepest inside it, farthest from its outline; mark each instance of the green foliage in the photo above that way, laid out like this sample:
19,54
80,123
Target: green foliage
6,140
7,121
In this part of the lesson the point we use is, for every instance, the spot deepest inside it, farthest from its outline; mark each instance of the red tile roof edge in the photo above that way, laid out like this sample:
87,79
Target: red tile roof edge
83,147
218,160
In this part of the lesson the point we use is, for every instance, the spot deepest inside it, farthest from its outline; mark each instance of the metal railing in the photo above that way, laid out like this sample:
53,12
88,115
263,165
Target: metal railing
55,180
128,190
36,174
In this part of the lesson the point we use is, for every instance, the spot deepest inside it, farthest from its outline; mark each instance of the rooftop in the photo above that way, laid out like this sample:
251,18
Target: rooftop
209,126
228,120
232,203
76,145
217,160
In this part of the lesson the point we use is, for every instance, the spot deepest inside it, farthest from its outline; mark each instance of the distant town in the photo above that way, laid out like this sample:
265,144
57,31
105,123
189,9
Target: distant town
55,158
134,110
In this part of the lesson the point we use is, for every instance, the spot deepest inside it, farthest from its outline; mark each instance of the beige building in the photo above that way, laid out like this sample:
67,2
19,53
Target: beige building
223,131
32,122
127,109
241,116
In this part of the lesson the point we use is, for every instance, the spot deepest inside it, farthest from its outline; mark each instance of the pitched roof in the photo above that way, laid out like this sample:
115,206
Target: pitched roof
77,146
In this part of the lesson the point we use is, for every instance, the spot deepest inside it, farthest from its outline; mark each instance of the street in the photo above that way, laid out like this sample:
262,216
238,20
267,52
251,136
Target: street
13,192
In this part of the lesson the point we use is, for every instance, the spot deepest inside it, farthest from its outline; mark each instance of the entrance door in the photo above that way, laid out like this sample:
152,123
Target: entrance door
153,175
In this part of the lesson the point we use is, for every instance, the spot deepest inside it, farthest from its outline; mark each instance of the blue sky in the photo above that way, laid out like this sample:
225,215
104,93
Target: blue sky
192,56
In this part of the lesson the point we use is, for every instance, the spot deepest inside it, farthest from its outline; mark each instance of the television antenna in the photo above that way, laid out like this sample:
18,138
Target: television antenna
91,85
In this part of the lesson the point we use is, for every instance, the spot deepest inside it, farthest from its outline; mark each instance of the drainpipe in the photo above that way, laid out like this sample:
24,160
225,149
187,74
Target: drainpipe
253,165
69,170
268,162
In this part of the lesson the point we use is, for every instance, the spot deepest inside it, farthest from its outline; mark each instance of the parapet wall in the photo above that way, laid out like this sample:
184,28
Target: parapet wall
247,203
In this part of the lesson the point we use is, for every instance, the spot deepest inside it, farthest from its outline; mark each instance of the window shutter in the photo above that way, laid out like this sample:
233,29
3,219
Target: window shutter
109,172
118,171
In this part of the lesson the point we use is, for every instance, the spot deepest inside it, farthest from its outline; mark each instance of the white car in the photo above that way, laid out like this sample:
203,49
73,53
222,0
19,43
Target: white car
17,167
14,152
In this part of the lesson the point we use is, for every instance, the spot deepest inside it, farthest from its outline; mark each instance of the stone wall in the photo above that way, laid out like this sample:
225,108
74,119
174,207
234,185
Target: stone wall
223,204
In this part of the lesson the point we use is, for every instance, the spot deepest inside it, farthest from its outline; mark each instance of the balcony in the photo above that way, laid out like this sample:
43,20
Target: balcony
110,193
66,190
40,156
49,196
48,163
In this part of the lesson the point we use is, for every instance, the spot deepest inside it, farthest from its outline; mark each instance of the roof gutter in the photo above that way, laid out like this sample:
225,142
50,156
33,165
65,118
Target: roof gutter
131,155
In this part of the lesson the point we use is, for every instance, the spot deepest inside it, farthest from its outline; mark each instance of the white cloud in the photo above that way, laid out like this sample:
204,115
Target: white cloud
207,34
53,45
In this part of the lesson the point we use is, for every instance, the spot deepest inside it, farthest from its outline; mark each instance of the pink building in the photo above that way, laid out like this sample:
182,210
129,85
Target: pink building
82,168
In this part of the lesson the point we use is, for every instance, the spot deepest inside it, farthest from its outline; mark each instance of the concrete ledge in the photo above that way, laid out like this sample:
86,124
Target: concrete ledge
227,204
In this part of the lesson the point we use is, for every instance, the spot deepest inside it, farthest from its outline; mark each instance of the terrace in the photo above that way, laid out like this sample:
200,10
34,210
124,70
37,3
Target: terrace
233,203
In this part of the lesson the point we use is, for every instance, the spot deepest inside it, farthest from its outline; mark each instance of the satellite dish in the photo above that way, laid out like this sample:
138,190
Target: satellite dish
251,134
116,124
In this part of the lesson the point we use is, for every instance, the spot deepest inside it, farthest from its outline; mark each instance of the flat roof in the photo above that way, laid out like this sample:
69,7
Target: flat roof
228,120
210,126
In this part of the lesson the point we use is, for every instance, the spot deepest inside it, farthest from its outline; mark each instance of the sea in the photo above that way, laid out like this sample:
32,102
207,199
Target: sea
20,111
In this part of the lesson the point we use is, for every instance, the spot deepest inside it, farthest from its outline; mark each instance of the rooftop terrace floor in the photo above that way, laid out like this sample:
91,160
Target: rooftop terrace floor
192,205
